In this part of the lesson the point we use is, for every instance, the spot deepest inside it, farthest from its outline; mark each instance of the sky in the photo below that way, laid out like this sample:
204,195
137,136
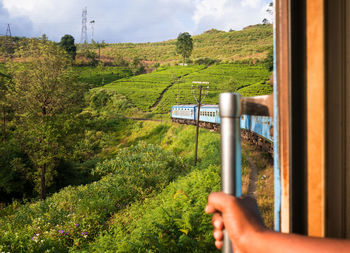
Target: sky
128,20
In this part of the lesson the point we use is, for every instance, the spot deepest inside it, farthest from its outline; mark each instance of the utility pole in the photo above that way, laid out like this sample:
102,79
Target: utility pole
199,101
92,23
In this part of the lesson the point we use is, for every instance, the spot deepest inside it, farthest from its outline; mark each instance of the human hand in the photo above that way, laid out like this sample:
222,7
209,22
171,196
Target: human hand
239,216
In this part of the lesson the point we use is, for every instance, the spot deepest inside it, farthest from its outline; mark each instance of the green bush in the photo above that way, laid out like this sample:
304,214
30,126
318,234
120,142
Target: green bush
76,215
206,61
173,221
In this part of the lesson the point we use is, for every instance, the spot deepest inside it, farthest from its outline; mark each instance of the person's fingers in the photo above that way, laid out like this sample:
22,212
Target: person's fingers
218,234
218,221
218,244
218,201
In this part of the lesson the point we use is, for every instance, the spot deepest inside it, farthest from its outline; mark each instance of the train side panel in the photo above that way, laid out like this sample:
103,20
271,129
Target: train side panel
258,124
210,113
183,112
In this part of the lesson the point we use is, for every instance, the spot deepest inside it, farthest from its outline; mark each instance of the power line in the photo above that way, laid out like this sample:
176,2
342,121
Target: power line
8,31
84,36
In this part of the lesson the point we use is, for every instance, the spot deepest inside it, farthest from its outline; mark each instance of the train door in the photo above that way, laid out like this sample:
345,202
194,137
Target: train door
312,101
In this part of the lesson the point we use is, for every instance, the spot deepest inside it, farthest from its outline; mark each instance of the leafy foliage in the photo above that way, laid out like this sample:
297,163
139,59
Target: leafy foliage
173,221
206,61
49,98
75,215
269,60
184,45
67,43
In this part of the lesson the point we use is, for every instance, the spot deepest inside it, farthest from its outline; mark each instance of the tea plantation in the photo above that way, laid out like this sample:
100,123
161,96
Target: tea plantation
175,84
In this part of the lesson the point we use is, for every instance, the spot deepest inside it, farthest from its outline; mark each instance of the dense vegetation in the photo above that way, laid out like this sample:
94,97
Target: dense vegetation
113,184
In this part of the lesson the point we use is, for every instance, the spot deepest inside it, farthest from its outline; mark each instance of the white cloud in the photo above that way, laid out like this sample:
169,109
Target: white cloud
19,25
227,14
131,20
250,3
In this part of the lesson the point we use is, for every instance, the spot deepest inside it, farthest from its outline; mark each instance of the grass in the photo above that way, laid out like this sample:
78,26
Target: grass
250,44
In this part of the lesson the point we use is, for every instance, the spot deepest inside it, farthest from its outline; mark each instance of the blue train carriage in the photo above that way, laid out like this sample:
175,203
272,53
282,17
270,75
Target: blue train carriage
181,113
209,113
260,125
187,114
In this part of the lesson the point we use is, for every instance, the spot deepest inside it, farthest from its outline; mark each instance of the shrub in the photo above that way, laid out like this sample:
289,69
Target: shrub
206,61
76,215
173,221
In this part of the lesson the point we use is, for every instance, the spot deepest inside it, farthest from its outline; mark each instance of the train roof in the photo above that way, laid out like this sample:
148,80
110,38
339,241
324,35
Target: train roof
210,106
193,105
183,106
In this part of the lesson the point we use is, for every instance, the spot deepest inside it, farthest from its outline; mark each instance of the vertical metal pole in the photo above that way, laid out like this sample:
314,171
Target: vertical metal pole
230,112
197,131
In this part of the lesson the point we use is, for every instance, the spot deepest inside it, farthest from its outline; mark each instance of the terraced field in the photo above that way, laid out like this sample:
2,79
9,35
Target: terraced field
144,90
244,79
161,89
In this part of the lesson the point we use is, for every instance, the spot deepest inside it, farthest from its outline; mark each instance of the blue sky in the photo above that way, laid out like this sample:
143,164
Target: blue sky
128,20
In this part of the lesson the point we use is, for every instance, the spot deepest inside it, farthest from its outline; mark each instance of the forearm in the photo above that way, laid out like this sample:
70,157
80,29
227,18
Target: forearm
272,242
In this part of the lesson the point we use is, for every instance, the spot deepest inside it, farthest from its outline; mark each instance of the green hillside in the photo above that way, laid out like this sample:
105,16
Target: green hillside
249,44
163,88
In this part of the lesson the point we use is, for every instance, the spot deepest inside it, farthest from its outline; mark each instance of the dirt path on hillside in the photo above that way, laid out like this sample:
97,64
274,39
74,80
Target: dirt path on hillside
253,177
168,87
161,96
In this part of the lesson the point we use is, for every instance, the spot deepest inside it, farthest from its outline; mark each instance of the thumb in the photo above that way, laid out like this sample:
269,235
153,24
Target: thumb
219,201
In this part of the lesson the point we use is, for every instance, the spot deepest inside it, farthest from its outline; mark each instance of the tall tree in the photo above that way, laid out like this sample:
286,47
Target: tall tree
45,97
5,109
184,45
67,43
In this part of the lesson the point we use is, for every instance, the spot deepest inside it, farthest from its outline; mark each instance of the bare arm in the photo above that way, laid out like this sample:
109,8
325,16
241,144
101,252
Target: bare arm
241,218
